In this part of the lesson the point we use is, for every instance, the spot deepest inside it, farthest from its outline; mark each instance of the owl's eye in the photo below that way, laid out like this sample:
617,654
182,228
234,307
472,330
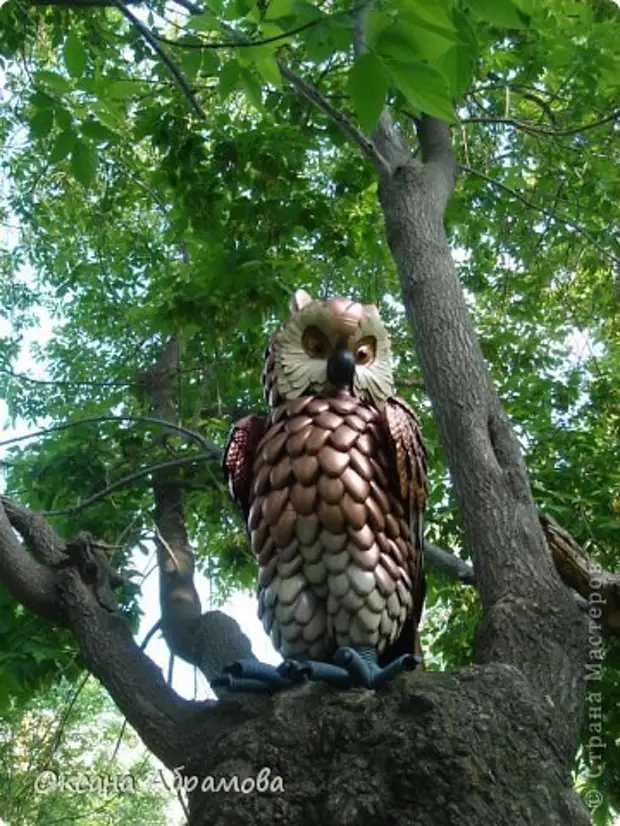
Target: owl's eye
365,350
315,343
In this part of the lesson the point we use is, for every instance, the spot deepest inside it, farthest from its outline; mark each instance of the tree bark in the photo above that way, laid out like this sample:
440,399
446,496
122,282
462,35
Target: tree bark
471,748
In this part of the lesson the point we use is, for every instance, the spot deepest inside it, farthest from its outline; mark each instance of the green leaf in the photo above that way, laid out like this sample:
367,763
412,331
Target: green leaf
252,88
229,78
210,63
244,7
63,117
205,23
368,85
63,145
376,22
280,8
191,61
41,100
502,13
83,163
98,132
53,81
120,89
423,87
41,123
75,56
267,66
458,64
407,41
429,13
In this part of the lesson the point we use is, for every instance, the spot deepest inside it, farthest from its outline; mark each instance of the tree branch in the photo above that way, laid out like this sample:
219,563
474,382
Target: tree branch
28,581
208,447
347,127
576,568
544,211
437,156
166,60
126,480
39,537
137,685
538,130
237,44
61,382
212,640
449,564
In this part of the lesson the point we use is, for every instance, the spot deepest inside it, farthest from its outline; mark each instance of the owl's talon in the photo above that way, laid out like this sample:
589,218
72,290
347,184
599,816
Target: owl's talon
361,665
316,671
236,686
251,676
296,670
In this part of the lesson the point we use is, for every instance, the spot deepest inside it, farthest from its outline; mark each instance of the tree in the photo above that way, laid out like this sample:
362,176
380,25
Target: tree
168,239
64,736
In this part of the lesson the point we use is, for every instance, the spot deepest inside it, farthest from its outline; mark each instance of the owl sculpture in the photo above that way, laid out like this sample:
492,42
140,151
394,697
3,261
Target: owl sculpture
332,484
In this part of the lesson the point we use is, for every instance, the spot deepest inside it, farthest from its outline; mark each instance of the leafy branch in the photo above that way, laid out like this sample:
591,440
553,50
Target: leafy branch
207,446
550,213
161,53
126,480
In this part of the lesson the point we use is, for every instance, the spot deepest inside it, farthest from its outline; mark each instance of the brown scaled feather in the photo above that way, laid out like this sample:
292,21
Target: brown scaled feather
333,488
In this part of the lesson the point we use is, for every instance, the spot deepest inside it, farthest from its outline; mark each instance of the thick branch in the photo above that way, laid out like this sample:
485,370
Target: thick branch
28,581
39,537
211,640
137,685
452,566
583,574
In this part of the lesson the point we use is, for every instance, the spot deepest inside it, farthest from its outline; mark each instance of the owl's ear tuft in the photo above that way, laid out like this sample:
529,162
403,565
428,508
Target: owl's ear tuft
371,309
299,300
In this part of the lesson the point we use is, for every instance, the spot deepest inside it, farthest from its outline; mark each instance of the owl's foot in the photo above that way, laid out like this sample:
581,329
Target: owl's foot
251,677
353,667
362,666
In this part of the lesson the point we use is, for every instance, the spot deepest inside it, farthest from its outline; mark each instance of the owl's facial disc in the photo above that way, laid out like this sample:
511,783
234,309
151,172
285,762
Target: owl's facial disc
332,345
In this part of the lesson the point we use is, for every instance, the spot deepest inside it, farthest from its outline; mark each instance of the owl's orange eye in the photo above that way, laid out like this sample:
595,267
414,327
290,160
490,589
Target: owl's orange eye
365,351
315,343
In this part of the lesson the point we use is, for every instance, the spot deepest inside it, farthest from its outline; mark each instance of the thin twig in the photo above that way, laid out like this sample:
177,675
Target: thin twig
131,477
166,60
238,44
552,133
166,547
150,634
64,383
544,210
208,446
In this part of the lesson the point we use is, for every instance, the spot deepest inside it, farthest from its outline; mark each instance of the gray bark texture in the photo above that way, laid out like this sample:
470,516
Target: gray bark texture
471,748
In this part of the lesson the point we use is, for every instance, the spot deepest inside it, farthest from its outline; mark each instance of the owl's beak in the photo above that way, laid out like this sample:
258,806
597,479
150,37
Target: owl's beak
341,369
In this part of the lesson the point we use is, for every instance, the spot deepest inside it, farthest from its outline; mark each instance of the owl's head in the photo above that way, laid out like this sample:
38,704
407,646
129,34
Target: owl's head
328,346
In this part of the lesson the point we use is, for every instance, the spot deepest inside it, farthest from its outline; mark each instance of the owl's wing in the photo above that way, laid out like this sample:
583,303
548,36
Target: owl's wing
410,470
239,457
410,465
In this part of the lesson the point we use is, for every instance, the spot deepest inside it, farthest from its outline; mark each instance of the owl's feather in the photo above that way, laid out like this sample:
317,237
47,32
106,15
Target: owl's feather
333,488
238,458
